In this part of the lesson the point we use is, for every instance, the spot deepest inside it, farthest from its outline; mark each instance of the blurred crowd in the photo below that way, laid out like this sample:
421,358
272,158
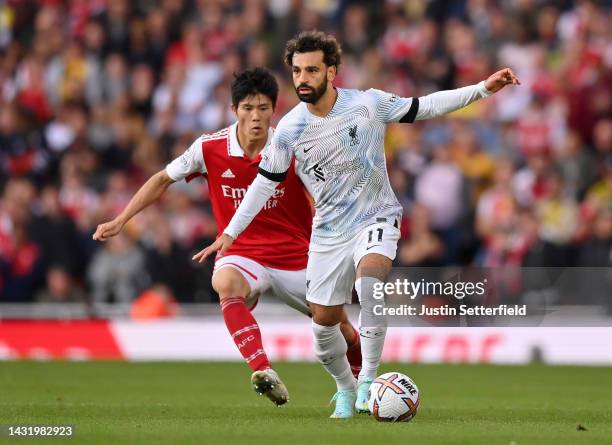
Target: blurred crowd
97,95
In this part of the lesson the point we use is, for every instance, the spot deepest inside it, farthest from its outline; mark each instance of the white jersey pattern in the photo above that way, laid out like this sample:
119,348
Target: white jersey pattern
341,160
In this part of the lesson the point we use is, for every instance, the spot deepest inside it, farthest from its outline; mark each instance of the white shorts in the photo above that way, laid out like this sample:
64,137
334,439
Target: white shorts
289,286
330,275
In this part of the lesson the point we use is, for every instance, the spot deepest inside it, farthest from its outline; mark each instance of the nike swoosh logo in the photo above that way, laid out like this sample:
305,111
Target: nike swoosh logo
306,150
375,245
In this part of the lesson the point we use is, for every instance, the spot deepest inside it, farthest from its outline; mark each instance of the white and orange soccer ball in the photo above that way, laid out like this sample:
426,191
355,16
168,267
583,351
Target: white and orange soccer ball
393,397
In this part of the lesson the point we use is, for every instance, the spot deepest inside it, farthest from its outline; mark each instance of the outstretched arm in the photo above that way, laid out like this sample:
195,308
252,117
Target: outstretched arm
443,102
148,193
261,189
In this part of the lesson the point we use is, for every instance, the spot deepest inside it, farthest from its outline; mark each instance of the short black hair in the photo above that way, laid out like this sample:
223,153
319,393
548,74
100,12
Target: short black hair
254,81
308,41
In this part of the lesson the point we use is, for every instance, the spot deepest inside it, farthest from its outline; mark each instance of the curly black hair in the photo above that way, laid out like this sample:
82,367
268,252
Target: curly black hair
254,81
308,41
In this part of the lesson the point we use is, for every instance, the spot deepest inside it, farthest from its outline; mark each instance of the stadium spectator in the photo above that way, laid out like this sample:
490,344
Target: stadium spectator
56,234
167,261
422,248
21,268
440,189
557,215
61,288
117,272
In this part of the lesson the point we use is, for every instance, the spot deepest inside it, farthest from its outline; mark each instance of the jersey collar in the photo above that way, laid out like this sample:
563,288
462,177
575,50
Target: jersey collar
234,146
332,112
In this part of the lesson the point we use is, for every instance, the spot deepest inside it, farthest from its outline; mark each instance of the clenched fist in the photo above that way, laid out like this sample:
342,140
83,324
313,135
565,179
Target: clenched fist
107,230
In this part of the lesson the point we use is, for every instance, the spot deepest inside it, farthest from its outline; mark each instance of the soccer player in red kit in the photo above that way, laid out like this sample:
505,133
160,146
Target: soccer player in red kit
271,255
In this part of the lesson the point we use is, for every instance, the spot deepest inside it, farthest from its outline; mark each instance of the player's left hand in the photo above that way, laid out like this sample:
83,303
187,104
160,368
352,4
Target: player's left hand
500,79
107,230
221,244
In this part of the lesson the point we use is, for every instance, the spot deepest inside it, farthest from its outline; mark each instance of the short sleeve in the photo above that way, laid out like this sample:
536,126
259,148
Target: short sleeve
189,163
276,158
393,108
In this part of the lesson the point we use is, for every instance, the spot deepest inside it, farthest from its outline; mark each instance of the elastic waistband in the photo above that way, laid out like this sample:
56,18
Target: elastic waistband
396,223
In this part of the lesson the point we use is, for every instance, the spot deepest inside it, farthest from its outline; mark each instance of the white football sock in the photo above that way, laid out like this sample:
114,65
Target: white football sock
372,337
330,349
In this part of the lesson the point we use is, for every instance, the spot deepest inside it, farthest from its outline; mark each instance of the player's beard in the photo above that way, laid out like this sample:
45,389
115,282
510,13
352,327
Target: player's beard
314,95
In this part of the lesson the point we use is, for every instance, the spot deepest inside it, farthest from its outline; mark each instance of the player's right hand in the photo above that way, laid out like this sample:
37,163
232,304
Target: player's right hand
221,244
107,230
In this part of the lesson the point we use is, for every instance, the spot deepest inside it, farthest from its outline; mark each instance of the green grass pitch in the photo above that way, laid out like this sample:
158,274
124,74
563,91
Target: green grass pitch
213,403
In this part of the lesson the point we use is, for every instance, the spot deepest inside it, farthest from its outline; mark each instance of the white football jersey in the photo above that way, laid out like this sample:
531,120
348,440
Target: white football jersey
341,160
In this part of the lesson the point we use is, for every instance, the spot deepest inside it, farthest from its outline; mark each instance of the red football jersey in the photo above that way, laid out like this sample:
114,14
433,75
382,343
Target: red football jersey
279,235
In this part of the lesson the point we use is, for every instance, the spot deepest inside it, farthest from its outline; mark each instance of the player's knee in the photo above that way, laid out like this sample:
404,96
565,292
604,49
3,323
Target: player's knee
374,265
326,315
230,283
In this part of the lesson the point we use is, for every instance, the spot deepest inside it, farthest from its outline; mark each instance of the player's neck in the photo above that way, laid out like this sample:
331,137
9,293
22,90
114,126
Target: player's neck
251,147
325,104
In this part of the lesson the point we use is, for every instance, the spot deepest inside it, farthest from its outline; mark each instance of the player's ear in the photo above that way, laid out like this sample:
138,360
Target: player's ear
331,72
234,110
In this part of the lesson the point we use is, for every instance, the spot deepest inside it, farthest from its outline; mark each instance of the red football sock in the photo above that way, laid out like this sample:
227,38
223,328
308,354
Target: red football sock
353,354
245,332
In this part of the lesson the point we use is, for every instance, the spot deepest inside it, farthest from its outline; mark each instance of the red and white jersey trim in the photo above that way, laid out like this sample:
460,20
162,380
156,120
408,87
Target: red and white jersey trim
286,219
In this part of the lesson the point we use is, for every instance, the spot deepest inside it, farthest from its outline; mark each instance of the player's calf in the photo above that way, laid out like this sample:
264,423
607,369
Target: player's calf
330,349
239,320
353,344
373,328
245,332
244,329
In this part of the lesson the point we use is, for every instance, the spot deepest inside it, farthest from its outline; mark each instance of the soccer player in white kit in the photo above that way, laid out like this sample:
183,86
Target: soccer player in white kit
336,136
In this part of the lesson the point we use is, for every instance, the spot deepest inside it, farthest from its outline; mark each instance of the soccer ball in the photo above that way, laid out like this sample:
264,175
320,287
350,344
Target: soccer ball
393,397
